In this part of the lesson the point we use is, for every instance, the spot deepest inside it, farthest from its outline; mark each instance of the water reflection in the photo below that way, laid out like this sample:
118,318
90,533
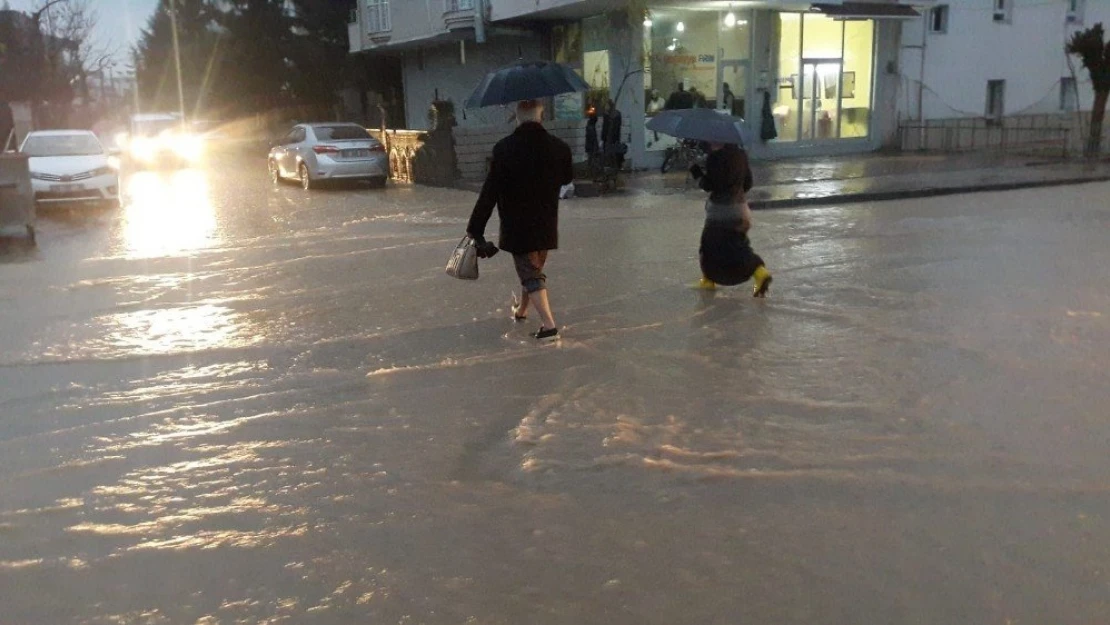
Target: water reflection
191,328
168,214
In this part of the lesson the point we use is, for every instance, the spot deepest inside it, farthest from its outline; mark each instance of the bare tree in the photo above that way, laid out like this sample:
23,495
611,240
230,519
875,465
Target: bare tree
69,25
1094,51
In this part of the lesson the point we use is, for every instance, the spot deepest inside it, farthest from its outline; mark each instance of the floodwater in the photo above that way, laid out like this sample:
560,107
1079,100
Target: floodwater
233,403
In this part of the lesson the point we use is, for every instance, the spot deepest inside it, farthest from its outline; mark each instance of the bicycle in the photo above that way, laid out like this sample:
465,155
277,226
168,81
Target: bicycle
688,153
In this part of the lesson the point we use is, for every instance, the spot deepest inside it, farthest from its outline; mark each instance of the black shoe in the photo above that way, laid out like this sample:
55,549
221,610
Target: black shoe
515,308
550,334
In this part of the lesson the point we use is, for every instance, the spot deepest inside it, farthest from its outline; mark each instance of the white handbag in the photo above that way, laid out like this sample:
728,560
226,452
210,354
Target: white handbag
463,263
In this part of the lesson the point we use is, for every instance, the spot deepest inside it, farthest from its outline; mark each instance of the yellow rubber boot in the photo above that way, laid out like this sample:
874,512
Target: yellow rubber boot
762,279
705,284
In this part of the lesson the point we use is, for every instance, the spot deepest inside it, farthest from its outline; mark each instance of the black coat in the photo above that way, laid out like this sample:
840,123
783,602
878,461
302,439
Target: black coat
611,128
728,175
528,169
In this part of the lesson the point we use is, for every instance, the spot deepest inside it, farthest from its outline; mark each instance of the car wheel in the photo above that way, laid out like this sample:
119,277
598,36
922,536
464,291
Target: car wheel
275,174
378,183
306,179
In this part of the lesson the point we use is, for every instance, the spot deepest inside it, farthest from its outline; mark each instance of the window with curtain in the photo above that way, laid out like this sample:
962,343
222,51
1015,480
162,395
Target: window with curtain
377,16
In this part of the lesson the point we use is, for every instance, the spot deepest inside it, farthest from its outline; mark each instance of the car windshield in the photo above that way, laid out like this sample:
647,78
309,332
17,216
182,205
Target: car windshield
62,145
340,133
150,128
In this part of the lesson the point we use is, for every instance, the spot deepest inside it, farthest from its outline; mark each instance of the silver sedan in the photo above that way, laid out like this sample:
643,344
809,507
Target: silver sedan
316,153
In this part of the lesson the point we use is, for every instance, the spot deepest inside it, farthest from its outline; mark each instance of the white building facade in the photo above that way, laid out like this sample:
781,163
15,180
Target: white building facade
996,59
445,48
837,76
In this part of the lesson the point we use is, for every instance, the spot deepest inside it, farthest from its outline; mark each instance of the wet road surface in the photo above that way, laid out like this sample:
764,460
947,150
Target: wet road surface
234,403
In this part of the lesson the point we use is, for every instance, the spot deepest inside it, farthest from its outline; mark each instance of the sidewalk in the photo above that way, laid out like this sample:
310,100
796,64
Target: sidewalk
878,176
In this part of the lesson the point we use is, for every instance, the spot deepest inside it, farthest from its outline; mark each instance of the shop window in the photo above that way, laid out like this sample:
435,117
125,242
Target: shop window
856,81
825,77
1069,100
789,87
996,100
682,53
1003,11
938,19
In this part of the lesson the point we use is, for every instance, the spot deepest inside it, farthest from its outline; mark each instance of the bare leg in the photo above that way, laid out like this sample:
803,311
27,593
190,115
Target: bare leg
539,298
522,307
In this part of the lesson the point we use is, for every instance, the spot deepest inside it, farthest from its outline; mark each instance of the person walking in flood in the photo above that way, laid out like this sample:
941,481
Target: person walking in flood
527,171
726,254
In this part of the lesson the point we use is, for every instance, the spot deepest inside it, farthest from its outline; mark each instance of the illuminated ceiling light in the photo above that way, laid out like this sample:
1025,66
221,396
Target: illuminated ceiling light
730,20
647,22
680,27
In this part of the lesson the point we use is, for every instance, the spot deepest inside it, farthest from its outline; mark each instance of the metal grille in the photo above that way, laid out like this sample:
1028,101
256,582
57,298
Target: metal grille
85,175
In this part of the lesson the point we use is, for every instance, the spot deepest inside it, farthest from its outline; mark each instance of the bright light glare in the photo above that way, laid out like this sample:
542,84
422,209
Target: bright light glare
144,149
113,162
188,147
680,27
730,20
648,23
168,215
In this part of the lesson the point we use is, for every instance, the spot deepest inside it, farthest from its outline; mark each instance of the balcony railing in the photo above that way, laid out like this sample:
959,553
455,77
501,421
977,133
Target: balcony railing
453,6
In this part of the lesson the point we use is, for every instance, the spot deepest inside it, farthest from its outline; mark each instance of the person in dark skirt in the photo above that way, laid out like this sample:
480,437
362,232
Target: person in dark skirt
726,254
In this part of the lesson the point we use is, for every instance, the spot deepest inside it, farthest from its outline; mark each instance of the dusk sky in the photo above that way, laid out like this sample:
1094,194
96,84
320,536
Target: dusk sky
119,21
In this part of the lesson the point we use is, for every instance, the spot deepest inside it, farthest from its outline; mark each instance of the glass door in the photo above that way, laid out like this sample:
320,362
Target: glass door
732,87
820,99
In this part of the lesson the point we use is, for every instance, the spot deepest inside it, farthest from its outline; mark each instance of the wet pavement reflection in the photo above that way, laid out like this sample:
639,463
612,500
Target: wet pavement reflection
230,402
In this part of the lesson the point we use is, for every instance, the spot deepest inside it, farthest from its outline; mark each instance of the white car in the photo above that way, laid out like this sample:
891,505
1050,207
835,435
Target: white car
315,153
71,166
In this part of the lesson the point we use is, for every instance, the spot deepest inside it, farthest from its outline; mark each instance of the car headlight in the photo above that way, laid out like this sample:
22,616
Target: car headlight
188,147
113,162
37,176
144,149
102,171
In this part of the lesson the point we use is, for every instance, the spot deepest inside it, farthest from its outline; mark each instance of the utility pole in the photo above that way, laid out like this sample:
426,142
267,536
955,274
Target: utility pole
177,61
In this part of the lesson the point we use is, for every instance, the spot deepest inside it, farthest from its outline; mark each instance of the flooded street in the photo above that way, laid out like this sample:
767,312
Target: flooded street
229,402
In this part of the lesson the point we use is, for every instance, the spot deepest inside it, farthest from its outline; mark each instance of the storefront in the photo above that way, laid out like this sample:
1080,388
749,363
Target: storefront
815,75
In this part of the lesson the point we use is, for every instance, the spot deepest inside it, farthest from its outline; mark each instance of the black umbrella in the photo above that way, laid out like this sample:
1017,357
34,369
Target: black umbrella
528,80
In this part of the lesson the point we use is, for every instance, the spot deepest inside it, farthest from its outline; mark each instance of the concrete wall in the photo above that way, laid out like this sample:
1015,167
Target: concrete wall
17,206
1028,53
441,68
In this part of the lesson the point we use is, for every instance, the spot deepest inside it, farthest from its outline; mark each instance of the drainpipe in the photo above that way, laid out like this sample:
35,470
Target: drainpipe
480,21
921,76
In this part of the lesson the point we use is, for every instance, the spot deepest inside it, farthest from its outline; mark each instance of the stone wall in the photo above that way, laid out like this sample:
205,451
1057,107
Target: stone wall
474,146
419,157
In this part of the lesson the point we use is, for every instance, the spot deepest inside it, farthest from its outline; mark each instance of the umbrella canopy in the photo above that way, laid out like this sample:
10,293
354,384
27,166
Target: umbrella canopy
701,125
529,80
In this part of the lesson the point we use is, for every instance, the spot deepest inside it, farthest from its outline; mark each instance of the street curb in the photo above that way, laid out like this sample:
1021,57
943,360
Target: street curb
883,196
904,194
